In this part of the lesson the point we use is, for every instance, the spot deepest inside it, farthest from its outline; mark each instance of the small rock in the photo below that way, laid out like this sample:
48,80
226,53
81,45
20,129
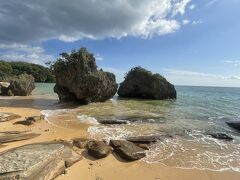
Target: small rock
98,149
235,125
127,150
80,143
30,120
221,136
113,122
144,146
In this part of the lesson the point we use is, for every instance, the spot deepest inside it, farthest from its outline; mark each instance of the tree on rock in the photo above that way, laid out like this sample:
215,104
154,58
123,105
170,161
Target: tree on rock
141,83
78,79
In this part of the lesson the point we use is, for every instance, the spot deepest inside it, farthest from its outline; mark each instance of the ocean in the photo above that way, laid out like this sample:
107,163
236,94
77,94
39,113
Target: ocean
195,113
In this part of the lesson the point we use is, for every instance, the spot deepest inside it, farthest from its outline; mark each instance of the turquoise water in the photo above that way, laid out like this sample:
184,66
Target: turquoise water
196,112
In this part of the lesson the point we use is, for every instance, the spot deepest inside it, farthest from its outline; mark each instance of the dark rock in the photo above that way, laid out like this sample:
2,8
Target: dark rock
78,79
98,149
127,150
37,161
80,143
140,83
12,136
235,125
21,85
30,120
8,116
113,122
148,139
143,146
221,136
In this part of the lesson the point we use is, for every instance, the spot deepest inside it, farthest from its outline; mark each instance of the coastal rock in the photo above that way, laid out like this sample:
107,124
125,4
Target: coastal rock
141,83
21,85
98,149
78,79
113,122
37,161
235,125
12,136
8,116
30,120
127,150
148,139
80,143
221,136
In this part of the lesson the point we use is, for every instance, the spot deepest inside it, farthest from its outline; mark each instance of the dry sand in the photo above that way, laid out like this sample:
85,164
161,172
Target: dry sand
110,168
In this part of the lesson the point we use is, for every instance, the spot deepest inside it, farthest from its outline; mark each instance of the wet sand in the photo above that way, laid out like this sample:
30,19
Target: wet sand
109,168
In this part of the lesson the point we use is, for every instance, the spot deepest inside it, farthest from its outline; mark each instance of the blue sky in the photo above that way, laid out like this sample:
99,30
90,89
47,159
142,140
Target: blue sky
190,42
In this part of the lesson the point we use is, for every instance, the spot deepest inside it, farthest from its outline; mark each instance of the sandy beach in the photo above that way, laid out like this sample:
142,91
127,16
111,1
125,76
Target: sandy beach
108,168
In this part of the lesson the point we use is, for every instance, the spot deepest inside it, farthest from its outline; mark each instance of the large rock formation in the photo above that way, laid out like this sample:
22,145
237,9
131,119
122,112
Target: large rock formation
140,83
37,161
21,85
78,79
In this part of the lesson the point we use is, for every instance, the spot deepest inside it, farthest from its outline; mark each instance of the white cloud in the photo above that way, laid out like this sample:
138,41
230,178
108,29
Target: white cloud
21,52
185,21
29,21
236,63
183,77
193,6
196,22
180,7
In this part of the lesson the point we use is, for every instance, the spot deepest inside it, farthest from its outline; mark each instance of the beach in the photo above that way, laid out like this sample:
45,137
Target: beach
111,167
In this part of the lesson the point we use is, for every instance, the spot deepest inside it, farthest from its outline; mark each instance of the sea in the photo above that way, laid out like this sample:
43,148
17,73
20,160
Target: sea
197,112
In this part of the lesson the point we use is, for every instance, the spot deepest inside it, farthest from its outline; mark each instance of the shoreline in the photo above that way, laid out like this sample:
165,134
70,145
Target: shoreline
111,167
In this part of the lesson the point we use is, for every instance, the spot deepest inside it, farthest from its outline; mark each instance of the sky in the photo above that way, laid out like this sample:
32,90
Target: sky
190,42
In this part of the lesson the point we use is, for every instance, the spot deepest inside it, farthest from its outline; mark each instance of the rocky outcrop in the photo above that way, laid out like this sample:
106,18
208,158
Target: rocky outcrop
12,136
98,149
221,136
21,85
127,150
235,125
37,161
30,120
113,122
141,83
78,79
8,116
